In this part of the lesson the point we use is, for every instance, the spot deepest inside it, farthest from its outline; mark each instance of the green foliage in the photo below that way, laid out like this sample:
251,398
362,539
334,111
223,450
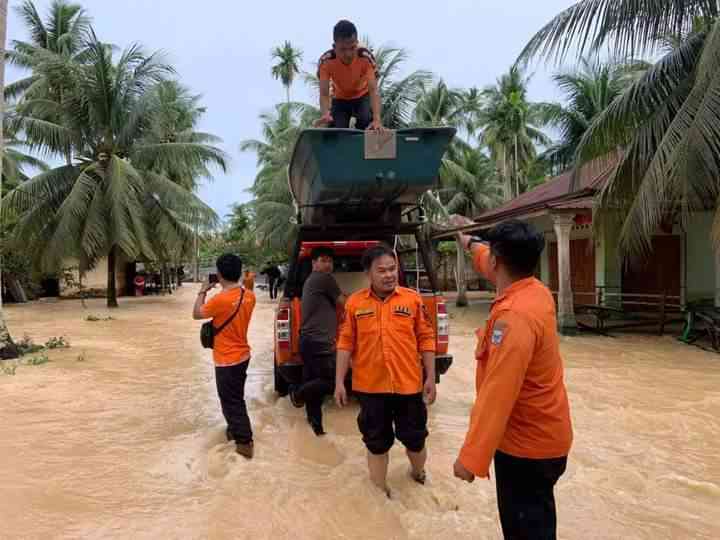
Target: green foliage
589,89
288,65
36,360
665,122
132,156
27,346
57,343
511,128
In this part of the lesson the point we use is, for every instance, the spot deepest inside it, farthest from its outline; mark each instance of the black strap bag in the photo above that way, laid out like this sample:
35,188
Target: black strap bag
208,331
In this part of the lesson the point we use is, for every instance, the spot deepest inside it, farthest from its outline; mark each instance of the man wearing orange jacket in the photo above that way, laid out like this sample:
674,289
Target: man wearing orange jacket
521,416
387,332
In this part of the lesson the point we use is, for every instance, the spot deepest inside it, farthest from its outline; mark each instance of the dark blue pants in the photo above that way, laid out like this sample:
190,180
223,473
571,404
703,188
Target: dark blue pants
526,498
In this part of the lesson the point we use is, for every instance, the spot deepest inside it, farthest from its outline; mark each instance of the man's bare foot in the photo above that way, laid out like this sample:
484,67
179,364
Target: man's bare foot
419,477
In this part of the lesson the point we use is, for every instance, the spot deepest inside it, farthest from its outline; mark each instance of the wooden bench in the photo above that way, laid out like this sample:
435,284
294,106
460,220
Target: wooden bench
631,310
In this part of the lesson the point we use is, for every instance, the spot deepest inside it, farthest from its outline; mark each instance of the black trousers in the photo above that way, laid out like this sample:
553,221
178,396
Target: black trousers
318,376
231,390
380,412
526,498
273,287
344,109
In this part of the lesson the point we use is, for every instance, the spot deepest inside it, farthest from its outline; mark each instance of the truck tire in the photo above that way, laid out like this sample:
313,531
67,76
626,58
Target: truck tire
281,385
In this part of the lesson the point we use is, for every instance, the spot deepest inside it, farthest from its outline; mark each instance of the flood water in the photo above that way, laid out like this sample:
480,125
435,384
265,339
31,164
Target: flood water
121,436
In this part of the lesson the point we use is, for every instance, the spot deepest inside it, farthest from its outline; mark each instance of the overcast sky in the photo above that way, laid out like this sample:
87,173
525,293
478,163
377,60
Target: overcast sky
221,49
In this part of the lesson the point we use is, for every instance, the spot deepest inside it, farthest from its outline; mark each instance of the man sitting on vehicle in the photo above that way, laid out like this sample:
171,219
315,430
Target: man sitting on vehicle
351,69
320,299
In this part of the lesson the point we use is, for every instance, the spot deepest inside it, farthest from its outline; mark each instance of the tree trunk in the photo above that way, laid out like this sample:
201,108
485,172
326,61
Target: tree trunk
111,285
517,176
8,349
287,93
462,298
196,262
507,181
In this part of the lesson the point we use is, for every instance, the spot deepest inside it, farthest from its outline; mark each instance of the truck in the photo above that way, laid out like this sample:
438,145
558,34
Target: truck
353,190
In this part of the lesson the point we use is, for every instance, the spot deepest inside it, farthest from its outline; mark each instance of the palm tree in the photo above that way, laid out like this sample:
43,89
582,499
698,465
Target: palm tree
273,203
469,185
16,162
174,117
399,94
665,123
287,66
62,32
113,198
7,347
470,106
511,129
589,89
440,106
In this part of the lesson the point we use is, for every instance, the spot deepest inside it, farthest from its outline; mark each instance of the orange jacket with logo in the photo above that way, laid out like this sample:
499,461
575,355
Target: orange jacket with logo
521,406
231,345
386,339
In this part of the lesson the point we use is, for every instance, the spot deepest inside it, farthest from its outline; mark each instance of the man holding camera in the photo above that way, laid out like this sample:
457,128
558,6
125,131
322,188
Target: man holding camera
231,309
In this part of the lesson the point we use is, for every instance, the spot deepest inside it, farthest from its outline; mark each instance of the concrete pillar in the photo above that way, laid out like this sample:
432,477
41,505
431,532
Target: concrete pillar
563,224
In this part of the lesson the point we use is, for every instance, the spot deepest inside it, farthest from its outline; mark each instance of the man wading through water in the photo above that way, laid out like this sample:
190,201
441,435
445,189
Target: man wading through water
321,298
521,417
231,351
386,331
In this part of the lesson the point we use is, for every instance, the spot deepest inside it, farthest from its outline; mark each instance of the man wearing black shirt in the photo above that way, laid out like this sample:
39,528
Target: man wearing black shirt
320,300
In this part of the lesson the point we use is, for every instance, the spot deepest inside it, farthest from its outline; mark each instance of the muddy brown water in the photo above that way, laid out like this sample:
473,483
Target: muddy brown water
121,436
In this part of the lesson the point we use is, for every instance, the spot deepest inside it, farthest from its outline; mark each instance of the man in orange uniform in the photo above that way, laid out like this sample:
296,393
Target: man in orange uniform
351,69
386,332
231,351
249,280
521,416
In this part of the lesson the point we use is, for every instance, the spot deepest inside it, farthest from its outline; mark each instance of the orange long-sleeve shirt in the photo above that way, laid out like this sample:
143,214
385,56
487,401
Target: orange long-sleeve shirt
386,338
521,406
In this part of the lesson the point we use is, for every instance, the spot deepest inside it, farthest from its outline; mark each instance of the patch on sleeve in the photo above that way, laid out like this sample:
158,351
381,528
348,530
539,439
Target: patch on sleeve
498,333
368,55
327,56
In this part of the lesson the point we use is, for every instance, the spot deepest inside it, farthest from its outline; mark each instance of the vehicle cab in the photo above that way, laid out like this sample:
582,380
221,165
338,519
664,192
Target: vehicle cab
350,277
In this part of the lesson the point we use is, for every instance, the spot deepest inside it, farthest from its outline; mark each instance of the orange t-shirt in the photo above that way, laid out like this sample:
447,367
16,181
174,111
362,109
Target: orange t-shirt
249,281
349,81
521,407
386,338
231,345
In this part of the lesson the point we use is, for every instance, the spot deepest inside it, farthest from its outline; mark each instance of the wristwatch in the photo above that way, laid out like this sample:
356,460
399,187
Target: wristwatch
474,240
